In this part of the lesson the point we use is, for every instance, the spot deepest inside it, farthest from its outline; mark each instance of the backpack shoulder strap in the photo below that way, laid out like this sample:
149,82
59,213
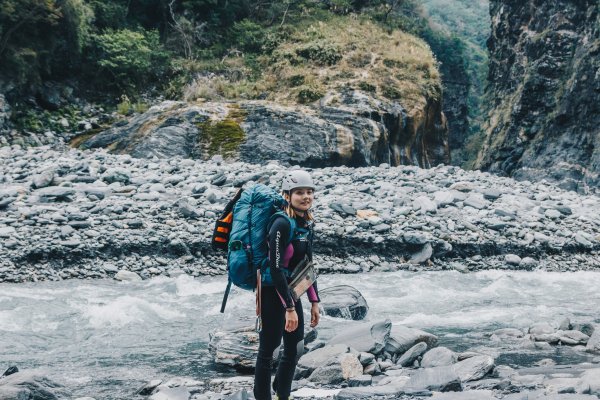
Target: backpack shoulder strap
291,221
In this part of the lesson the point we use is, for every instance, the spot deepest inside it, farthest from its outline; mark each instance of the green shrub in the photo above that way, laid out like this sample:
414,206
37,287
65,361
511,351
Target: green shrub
308,95
130,58
322,53
248,36
367,87
297,80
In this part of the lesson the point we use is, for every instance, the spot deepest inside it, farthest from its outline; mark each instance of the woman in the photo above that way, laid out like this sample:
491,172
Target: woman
281,316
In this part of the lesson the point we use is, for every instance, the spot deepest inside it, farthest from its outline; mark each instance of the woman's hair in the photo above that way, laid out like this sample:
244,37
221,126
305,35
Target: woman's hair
289,210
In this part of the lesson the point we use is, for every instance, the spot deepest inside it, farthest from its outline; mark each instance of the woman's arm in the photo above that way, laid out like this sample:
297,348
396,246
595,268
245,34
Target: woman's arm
278,242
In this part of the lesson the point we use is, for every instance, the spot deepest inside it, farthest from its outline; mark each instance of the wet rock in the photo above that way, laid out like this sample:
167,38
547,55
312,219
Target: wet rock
30,385
369,338
402,338
337,370
168,393
541,328
130,276
512,259
423,255
439,379
409,357
236,346
439,357
474,368
343,301
593,344
309,361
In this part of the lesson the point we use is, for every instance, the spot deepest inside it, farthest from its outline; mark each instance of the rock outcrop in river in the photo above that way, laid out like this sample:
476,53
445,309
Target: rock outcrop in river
545,88
349,128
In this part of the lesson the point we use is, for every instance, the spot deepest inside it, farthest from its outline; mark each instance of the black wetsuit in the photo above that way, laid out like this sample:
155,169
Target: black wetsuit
274,300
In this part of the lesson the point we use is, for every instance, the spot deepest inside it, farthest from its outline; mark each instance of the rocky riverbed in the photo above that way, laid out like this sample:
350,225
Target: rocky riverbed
66,213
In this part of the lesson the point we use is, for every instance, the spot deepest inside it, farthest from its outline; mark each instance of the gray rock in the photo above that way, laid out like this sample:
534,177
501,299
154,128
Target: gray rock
171,393
42,180
476,201
443,198
591,378
236,346
362,380
125,275
593,344
369,338
439,357
416,238
30,385
309,361
343,209
572,338
7,232
491,194
528,263
541,328
343,301
219,180
583,239
55,193
440,379
512,259
423,255
424,205
409,357
402,338
116,175
474,368
337,369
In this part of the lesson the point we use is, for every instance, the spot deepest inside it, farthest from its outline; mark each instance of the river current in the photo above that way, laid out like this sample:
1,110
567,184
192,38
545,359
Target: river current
105,338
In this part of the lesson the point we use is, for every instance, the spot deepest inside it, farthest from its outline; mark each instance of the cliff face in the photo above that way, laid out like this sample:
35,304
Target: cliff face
544,81
348,128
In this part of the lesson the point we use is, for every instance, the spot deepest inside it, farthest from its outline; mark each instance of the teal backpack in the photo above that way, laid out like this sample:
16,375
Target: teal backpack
242,230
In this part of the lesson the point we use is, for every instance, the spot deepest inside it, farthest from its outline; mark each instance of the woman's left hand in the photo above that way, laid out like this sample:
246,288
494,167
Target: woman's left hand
315,316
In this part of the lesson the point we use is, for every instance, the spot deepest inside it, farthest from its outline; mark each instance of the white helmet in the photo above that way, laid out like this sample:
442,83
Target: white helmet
296,179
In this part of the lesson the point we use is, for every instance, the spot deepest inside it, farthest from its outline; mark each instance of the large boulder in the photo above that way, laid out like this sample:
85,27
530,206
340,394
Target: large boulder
593,344
30,385
316,358
343,301
235,346
474,368
346,128
403,338
370,338
439,379
439,357
337,369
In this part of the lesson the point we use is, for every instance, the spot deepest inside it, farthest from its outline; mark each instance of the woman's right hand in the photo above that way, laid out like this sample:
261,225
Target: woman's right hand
291,321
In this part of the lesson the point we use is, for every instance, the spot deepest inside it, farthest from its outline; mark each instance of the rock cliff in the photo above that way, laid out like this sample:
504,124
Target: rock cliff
544,84
349,128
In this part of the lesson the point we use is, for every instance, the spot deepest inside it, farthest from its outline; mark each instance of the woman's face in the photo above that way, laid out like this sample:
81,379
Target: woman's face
302,198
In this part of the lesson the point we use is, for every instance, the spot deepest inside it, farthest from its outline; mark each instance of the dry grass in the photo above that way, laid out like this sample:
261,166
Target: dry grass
343,53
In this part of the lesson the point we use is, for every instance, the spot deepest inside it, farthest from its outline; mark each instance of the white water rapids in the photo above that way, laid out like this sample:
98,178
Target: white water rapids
106,338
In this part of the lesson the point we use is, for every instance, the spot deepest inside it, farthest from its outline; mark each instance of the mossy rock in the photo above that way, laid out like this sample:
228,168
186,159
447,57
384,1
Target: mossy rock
222,137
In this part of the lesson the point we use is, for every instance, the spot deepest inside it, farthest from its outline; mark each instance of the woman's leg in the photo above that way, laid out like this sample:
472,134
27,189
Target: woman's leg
293,348
273,324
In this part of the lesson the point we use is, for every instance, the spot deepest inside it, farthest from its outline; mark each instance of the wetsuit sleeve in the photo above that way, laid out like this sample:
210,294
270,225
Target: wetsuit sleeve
313,291
278,242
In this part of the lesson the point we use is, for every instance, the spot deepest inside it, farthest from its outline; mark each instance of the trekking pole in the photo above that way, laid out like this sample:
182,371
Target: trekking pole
225,296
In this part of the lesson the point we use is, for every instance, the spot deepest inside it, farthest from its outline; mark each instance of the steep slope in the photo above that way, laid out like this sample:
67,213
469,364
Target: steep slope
545,86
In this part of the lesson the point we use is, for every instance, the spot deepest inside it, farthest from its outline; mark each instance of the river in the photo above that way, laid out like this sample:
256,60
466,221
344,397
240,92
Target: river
105,339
